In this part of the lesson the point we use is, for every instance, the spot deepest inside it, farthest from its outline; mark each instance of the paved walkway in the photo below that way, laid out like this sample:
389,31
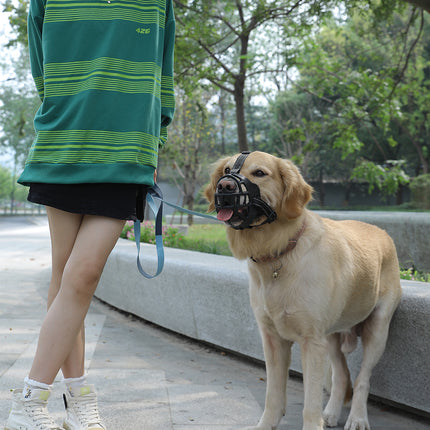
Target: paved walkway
147,378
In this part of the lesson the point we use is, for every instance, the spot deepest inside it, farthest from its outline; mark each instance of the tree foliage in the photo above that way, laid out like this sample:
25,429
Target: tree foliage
19,103
420,188
5,183
365,84
241,39
18,10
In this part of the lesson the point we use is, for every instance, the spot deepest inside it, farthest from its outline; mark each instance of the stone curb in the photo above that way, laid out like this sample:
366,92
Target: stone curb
409,230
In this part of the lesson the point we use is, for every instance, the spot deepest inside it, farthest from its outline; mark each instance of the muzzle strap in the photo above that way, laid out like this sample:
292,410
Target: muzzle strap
239,162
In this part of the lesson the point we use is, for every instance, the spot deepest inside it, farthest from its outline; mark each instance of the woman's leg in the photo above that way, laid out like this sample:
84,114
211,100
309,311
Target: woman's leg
63,228
94,241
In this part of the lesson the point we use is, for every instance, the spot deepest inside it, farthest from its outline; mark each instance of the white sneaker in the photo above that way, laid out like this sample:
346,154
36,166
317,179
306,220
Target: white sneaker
82,412
31,412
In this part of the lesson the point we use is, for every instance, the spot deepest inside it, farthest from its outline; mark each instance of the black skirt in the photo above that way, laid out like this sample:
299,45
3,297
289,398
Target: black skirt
120,201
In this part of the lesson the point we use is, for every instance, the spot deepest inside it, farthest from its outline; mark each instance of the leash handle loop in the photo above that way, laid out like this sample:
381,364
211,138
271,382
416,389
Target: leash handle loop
152,192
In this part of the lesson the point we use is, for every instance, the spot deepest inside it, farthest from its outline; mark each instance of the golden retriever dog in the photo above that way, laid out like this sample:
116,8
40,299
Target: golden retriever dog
314,281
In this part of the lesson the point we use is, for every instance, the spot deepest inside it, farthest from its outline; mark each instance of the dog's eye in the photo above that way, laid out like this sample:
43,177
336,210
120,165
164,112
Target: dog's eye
227,170
259,173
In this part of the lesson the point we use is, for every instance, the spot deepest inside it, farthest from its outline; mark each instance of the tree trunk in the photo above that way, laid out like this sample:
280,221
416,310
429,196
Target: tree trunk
399,195
189,203
239,94
347,194
421,156
239,99
221,101
321,189
12,194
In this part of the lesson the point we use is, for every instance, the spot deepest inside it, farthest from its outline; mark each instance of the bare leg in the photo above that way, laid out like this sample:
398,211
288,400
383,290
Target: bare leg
64,228
94,241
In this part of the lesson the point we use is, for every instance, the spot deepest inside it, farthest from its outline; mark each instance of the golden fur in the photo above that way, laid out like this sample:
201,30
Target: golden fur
341,280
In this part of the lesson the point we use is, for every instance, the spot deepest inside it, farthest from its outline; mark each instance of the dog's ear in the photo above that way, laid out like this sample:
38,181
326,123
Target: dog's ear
217,172
297,193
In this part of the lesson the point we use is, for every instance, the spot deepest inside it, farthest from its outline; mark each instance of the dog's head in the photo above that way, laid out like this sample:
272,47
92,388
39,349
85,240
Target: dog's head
264,183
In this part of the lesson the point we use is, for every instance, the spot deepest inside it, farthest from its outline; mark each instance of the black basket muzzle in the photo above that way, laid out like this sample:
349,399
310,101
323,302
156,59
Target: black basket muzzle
238,194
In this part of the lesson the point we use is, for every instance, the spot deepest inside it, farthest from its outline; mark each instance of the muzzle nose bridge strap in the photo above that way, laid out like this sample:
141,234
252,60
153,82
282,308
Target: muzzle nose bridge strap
243,185
239,162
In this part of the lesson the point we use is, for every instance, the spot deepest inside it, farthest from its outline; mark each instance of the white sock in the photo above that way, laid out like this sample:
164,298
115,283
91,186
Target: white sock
75,382
31,384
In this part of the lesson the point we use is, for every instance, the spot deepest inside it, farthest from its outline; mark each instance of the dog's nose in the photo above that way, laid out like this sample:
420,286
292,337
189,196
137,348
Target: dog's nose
226,186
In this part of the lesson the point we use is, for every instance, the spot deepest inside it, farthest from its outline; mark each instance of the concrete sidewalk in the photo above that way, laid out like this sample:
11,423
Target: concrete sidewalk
147,378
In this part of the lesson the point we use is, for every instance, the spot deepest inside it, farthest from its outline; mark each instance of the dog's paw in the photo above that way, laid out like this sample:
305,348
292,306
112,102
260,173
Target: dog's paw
330,420
357,423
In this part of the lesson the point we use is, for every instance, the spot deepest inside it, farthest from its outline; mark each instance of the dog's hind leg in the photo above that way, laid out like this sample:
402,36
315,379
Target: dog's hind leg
341,381
277,353
374,337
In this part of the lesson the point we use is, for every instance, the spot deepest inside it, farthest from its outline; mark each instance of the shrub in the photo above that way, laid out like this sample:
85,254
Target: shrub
420,189
171,236
412,274
128,232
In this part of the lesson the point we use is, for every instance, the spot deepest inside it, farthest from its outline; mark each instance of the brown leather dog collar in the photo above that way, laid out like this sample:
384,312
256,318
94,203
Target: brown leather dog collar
291,245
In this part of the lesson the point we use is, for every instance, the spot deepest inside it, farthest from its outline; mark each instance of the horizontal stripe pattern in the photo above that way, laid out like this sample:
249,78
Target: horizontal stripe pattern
163,135
168,99
101,83
105,63
167,92
109,74
116,75
94,147
40,86
144,12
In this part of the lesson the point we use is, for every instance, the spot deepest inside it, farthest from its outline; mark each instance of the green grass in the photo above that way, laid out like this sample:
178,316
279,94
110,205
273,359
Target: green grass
209,238
211,232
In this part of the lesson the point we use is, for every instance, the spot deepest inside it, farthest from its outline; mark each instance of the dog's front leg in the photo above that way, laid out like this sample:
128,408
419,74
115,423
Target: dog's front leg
314,355
277,353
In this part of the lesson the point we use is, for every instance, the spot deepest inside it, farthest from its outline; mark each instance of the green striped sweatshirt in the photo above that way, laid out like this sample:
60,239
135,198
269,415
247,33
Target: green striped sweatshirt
104,72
